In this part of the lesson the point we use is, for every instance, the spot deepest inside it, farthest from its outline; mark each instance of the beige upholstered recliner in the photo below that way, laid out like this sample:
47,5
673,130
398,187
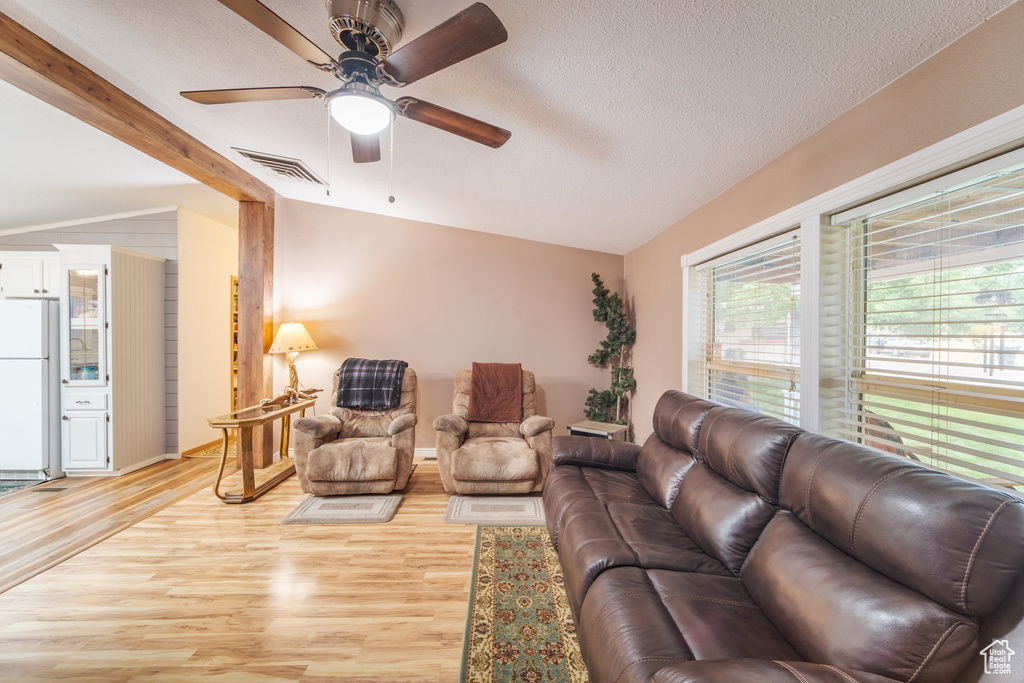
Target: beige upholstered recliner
357,451
493,457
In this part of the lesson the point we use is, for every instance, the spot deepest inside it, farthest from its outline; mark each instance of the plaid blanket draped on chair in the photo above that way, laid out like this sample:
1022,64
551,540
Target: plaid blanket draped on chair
370,384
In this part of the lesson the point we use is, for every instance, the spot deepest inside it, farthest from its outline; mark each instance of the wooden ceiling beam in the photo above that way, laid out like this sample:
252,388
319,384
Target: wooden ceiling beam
30,63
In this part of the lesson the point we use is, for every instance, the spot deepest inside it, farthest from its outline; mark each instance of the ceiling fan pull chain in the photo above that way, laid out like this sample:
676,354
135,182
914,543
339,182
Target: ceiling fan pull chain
391,153
328,151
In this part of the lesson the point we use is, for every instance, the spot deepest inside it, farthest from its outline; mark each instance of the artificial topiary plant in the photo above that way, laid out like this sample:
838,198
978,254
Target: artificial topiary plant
614,353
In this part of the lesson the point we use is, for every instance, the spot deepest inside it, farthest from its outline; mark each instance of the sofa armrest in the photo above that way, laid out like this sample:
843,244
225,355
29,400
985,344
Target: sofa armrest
323,427
535,424
312,433
586,451
761,671
452,424
401,423
451,432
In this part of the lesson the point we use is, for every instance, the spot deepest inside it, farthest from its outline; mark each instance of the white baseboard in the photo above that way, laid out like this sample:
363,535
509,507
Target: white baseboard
116,473
140,465
23,475
426,453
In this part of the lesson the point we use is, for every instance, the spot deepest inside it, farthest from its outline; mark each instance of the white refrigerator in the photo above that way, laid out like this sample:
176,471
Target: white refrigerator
29,389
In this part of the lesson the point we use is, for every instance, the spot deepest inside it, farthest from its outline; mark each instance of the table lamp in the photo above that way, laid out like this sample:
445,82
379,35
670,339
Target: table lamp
292,338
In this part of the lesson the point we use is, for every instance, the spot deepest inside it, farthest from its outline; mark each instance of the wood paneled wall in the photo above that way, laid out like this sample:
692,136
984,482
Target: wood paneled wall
137,337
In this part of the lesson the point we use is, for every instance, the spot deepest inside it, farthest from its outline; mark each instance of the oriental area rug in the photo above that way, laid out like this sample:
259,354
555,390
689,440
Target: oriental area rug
519,626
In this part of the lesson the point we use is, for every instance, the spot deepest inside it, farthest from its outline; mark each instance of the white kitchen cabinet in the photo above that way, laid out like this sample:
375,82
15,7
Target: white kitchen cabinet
29,275
83,332
84,440
112,359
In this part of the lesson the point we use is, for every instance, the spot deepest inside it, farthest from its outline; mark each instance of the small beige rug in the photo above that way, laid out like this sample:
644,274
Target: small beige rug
495,510
366,509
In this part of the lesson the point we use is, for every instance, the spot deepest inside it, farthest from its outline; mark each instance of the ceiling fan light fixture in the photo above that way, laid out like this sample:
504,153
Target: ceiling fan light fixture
360,112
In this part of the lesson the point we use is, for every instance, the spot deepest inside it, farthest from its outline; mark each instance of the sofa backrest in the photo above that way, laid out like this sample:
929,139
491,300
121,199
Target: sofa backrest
667,454
727,498
878,563
370,423
958,542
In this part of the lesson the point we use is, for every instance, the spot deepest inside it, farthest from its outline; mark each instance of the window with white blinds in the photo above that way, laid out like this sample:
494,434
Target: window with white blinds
749,327
934,366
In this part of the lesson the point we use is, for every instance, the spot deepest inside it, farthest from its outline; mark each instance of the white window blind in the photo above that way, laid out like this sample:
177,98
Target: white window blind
749,330
934,366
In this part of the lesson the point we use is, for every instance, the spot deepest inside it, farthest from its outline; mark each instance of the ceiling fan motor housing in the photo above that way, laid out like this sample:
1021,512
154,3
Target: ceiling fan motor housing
373,25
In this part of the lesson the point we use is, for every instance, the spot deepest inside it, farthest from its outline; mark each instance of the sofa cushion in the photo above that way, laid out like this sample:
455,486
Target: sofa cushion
747,448
624,630
357,459
597,536
568,483
678,418
835,610
660,468
505,429
635,622
495,458
724,519
658,542
959,543
761,671
710,611
667,454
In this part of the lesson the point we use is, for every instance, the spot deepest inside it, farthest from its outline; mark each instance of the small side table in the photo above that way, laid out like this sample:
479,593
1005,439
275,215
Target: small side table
599,430
245,420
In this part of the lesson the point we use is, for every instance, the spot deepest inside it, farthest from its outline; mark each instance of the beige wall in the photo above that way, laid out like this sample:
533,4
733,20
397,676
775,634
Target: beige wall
971,81
440,298
207,258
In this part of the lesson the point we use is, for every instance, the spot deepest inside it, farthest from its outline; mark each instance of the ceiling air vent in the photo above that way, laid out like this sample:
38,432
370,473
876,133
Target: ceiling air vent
295,169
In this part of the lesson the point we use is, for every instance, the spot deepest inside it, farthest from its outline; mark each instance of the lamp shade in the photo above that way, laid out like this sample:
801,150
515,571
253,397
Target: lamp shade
360,112
292,338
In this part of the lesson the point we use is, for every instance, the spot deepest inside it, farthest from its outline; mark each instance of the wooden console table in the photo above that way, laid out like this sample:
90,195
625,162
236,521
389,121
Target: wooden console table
245,420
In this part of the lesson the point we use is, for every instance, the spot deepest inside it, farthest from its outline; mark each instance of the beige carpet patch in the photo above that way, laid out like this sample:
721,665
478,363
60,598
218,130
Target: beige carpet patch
495,510
345,509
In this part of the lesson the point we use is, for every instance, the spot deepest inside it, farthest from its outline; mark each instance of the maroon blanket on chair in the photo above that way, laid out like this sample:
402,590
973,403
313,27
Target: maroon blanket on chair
496,393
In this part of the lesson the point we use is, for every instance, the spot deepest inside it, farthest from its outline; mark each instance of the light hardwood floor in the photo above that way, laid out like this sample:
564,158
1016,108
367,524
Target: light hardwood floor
207,590
47,524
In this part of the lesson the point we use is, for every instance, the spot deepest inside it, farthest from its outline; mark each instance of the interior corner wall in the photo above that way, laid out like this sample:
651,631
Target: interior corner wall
440,298
208,257
971,81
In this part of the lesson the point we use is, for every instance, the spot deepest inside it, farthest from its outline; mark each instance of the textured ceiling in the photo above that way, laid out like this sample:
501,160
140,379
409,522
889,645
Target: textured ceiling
625,117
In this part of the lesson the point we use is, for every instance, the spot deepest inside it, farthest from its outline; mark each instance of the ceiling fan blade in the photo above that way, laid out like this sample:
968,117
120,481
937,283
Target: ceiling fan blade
365,148
297,92
451,121
260,16
468,33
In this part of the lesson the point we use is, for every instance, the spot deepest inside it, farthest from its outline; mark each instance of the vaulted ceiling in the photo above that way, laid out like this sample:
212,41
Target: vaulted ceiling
625,117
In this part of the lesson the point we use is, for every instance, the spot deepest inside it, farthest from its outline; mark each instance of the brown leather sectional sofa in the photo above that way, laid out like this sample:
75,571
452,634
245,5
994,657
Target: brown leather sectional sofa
736,547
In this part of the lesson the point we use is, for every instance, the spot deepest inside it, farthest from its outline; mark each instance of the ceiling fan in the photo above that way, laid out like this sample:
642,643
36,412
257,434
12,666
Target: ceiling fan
369,30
